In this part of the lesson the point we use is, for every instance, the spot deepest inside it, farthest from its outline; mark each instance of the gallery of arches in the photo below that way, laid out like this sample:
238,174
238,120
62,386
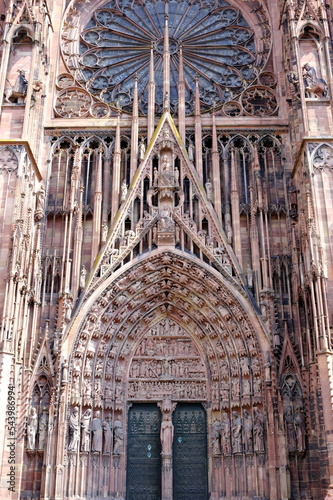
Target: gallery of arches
166,249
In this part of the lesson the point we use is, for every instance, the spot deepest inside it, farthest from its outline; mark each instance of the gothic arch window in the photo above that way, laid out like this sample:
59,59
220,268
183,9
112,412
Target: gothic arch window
61,168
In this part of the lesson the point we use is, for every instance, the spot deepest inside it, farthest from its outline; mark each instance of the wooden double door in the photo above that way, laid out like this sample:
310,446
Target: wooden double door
189,453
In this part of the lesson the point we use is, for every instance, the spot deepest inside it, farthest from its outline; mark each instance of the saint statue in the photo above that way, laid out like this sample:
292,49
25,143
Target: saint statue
118,437
85,431
107,429
167,433
32,428
123,191
236,433
258,430
142,150
74,430
97,433
42,432
216,432
21,84
225,433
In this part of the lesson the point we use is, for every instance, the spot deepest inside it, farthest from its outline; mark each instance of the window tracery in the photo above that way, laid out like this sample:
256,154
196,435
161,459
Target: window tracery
219,47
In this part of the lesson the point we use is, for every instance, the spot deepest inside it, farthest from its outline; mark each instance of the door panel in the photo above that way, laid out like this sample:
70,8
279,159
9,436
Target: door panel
144,453
190,477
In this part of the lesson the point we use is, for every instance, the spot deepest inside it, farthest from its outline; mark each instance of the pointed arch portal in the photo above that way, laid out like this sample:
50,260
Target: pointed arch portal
166,331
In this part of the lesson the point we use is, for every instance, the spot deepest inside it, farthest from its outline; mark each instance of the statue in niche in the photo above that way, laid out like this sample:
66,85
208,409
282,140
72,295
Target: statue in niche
225,433
142,150
74,430
167,433
166,222
118,437
236,433
123,190
258,430
83,274
249,276
104,231
313,86
97,433
165,177
176,177
107,431
32,428
85,431
19,89
247,432
190,151
209,190
300,430
42,430
290,428
216,433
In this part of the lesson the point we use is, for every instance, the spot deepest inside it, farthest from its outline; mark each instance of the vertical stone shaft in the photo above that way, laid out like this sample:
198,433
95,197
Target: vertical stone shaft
181,96
116,171
151,97
135,131
234,198
198,131
96,235
166,60
216,172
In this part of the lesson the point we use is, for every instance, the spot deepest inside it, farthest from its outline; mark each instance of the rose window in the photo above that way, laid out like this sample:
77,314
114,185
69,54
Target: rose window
218,46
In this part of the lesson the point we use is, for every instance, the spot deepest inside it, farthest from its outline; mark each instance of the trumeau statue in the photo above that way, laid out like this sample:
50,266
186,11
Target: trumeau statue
167,433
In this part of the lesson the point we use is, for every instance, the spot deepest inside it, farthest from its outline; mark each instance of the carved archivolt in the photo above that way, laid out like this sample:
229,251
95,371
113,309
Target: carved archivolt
167,329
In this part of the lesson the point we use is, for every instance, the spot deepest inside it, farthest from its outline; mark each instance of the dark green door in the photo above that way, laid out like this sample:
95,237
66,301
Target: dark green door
144,453
190,475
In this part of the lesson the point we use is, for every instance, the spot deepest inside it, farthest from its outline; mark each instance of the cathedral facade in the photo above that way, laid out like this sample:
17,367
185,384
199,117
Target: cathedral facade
166,252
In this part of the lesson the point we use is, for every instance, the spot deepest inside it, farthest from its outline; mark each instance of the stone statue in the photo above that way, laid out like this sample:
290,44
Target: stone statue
123,191
249,276
299,422
225,433
236,433
216,432
105,228
166,222
74,430
142,150
167,433
83,274
32,428
290,428
42,431
68,303
85,431
97,433
107,430
40,199
247,432
258,430
166,177
209,190
166,101
191,151
314,86
64,378
118,437
176,177
21,84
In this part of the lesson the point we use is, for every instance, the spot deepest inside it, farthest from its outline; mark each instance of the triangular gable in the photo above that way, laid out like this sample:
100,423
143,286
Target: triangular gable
221,255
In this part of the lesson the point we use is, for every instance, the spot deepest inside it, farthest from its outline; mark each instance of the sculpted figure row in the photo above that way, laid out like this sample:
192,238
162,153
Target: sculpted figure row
91,434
